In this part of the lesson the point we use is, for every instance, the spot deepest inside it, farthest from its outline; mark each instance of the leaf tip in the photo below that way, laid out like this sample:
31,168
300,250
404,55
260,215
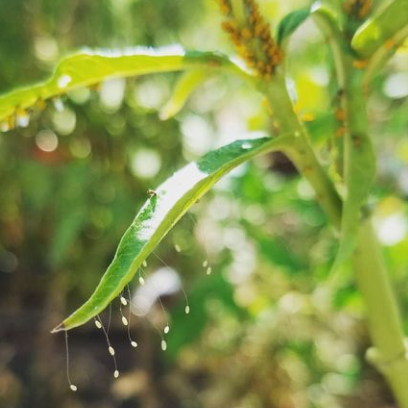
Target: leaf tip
60,327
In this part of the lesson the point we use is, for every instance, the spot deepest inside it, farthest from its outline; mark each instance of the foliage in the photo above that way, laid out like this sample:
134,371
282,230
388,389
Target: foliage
72,175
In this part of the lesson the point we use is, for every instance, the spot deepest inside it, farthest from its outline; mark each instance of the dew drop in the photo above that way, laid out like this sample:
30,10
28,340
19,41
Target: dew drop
133,344
205,263
111,351
22,118
141,281
63,81
125,321
73,387
209,270
166,329
123,301
116,373
187,309
144,263
98,324
177,248
163,345
58,104
246,145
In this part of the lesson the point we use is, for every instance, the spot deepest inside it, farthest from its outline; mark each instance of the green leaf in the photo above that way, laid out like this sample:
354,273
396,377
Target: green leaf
290,23
186,85
390,22
160,213
91,67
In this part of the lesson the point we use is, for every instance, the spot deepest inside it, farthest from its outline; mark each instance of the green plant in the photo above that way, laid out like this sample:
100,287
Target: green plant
360,45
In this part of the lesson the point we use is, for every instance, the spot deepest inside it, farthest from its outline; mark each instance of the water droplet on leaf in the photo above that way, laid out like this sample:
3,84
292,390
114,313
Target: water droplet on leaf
22,118
58,104
63,81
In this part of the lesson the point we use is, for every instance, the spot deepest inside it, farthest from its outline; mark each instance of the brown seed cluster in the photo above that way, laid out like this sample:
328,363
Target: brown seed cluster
252,38
358,8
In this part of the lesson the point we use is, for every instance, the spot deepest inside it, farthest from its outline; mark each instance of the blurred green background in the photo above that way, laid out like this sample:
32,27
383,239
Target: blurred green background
270,327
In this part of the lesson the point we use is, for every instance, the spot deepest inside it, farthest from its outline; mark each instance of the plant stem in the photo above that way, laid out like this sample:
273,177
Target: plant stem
384,321
373,281
300,150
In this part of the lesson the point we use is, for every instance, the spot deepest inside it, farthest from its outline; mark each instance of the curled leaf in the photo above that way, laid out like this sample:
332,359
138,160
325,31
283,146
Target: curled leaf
290,23
186,85
160,213
385,25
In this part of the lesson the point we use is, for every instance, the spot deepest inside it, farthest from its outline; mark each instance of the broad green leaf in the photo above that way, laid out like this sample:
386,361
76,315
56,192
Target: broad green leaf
389,23
186,85
290,23
91,67
160,213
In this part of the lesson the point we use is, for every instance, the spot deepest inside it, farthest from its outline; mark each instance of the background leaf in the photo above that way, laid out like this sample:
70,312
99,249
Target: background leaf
290,23
91,67
186,85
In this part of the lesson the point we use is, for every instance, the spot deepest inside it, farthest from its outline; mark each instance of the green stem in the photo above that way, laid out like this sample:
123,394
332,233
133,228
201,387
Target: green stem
300,150
384,319
389,355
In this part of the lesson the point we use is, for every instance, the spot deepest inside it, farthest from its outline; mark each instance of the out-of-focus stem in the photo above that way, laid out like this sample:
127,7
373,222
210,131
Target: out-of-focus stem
384,320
